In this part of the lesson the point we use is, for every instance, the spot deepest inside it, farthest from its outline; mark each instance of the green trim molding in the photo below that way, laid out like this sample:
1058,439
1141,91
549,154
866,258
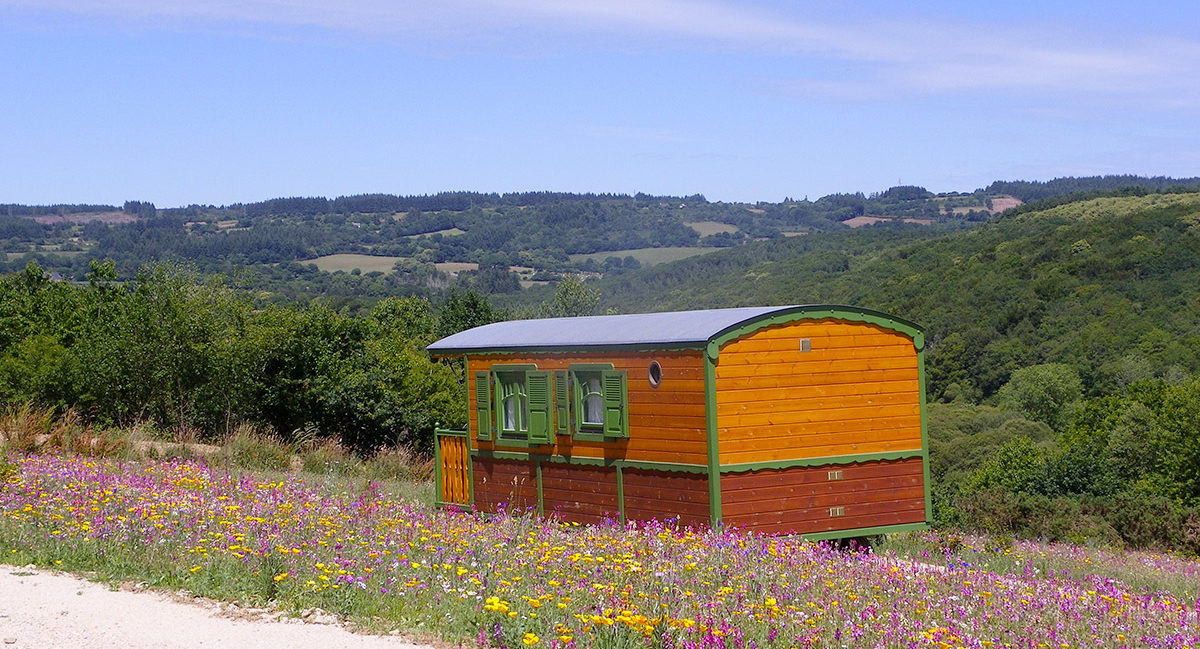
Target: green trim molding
818,461
714,451
864,531
541,497
588,461
925,435
437,468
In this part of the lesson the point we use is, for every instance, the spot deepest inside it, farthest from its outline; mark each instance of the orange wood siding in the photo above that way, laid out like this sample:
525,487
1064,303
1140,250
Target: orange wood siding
797,500
504,485
666,423
664,495
856,391
584,494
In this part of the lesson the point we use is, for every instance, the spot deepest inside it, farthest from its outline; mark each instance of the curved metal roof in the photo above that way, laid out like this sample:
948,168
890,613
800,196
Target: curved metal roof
671,328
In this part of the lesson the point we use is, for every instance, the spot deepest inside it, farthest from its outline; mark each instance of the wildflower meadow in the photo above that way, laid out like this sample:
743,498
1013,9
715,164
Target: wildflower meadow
520,581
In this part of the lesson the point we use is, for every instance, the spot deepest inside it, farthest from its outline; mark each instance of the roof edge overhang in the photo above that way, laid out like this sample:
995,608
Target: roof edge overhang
714,342
567,349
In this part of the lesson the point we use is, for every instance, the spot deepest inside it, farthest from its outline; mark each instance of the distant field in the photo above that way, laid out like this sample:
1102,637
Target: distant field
859,221
348,262
448,232
1001,203
456,266
647,256
706,228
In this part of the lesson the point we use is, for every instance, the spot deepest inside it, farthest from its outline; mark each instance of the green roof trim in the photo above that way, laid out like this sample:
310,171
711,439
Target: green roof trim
817,312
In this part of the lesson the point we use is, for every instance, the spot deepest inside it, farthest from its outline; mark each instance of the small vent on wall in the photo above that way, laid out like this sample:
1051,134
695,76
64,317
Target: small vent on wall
835,475
837,511
806,344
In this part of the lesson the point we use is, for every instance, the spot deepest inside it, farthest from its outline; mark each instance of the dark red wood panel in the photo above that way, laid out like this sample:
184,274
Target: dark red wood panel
579,493
504,485
665,495
798,500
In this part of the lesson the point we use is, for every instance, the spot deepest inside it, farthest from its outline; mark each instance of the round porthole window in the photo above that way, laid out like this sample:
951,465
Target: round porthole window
655,373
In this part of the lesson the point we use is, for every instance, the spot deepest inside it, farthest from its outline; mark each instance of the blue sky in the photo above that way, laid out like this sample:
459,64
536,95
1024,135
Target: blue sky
223,101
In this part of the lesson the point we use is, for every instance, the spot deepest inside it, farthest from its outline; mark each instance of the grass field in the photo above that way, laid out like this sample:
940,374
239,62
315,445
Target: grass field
706,228
647,256
449,232
456,266
367,263
516,580
348,262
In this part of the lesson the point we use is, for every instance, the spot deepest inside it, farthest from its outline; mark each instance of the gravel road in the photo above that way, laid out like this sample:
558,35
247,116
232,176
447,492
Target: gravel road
40,609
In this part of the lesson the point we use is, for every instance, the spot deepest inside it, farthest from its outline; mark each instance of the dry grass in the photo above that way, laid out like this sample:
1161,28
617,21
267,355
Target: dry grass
348,262
27,428
254,448
705,228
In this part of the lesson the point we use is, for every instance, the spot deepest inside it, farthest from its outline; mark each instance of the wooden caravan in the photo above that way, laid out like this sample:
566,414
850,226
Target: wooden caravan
793,420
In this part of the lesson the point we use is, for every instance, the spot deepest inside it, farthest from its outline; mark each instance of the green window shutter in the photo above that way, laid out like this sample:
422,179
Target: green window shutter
562,397
483,405
616,414
537,385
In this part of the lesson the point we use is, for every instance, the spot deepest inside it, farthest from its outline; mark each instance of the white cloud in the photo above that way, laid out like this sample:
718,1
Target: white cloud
931,57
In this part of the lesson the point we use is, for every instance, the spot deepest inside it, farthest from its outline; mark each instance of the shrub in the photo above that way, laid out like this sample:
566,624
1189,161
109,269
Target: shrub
254,448
25,426
332,458
400,463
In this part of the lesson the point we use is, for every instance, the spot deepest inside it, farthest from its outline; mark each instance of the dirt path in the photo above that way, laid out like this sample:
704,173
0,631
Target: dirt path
45,610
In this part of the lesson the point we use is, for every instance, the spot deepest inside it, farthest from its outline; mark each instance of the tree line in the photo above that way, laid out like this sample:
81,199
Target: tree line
168,348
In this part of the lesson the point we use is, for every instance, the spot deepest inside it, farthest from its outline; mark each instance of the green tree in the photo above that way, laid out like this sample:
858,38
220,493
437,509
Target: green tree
1043,393
462,311
573,297
1018,467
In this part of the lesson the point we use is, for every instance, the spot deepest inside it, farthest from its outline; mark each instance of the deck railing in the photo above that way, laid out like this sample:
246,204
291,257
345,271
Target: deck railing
452,468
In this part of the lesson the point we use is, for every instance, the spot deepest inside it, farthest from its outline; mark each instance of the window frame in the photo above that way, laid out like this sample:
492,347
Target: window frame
534,413
605,373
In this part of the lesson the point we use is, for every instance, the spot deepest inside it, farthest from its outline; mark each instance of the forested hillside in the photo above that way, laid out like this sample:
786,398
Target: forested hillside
356,250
